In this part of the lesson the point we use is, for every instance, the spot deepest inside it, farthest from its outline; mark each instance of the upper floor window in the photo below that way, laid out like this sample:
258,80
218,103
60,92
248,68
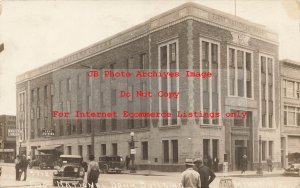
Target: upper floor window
291,116
168,62
240,72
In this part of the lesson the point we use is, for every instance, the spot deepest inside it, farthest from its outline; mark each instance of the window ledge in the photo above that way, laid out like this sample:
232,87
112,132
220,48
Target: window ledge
169,127
211,126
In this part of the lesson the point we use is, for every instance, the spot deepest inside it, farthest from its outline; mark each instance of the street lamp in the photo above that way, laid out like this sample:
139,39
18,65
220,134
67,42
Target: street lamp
259,169
132,153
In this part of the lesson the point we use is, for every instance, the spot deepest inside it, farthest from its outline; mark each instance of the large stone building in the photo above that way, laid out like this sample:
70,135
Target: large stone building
8,134
242,57
290,110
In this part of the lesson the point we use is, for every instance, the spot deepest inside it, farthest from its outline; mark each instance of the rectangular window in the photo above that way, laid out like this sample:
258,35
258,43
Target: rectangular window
80,150
263,120
113,124
205,147
143,62
69,84
89,150
60,87
79,81
130,123
144,150
89,103
290,89
285,117
32,95
284,87
271,149
89,126
102,99
165,151
69,150
215,148
175,150
38,94
79,126
103,125
270,120
240,80
263,91
113,97
263,150
168,61
114,149
45,92
103,149
263,64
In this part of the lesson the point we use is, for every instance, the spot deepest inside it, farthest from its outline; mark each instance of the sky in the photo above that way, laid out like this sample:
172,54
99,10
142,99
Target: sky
38,32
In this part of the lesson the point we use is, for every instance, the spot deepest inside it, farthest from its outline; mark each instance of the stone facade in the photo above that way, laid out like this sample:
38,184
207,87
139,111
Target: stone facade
290,102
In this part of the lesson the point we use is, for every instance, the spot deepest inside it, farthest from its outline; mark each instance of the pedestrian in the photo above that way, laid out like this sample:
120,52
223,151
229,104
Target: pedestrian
17,167
270,164
190,177
84,165
206,174
24,162
244,164
209,162
127,161
216,164
93,172
205,160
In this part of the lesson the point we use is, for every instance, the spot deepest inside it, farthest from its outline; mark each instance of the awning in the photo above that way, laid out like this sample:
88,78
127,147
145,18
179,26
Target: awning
51,147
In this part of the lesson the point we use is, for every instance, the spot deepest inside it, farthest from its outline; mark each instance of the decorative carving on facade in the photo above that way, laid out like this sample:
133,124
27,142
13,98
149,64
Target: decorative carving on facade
239,38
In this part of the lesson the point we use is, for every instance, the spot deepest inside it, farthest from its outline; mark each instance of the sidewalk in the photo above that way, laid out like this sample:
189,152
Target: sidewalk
248,174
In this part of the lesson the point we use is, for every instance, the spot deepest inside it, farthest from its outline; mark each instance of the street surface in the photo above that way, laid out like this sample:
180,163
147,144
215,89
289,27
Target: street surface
146,179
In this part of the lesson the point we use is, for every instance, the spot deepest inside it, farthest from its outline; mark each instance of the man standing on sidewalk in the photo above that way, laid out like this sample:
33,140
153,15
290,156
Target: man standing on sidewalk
190,177
270,164
23,167
17,167
206,175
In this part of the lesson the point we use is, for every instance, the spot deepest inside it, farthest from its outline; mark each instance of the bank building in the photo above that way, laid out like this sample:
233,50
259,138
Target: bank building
242,57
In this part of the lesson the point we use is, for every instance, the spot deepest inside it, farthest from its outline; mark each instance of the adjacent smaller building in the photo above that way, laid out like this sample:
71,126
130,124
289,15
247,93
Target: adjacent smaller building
290,110
8,134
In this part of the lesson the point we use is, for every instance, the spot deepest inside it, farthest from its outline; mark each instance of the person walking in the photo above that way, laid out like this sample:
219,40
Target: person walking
209,162
216,164
24,162
190,177
93,172
270,164
206,174
17,167
127,161
244,164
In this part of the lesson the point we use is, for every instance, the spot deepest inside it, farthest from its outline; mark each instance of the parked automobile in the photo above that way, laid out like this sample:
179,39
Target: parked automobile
70,171
113,163
292,170
44,161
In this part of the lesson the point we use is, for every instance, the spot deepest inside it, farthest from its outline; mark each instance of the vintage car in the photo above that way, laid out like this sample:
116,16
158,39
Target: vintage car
70,171
43,161
113,163
292,170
